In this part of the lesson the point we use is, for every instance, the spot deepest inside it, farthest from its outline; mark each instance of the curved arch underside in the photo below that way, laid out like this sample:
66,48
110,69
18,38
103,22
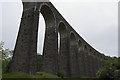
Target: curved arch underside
74,59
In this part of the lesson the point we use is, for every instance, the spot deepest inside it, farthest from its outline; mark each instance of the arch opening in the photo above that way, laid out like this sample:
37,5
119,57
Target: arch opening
90,52
72,38
41,35
80,45
61,34
46,20
62,48
62,28
48,16
40,41
85,48
94,54
58,42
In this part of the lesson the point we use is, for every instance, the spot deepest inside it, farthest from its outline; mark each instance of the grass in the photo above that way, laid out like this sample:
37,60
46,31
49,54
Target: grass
45,75
24,75
17,75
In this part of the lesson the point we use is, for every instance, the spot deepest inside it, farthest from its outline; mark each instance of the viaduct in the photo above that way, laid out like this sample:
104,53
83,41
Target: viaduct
75,57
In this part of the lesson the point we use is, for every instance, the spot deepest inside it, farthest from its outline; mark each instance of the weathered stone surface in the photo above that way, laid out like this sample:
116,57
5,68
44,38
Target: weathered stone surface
75,57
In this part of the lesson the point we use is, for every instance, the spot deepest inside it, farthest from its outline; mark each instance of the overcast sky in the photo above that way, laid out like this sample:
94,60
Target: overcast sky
95,21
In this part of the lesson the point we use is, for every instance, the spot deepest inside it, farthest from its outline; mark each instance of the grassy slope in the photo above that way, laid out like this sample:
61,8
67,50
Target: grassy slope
24,75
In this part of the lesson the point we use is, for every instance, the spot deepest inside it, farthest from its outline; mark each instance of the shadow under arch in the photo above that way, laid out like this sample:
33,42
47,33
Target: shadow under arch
75,71
80,45
48,15
50,40
85,49
72,38
62,28
63,56
62,32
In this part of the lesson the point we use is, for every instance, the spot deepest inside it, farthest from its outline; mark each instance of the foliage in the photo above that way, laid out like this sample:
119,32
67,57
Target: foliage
61,73
39,61
6,56
110,68
1,48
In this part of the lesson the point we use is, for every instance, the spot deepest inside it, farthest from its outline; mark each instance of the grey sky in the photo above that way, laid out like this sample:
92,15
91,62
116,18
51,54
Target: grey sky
96,22
0,39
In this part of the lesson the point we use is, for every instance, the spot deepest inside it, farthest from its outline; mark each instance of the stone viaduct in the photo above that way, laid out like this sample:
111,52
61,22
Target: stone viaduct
75,57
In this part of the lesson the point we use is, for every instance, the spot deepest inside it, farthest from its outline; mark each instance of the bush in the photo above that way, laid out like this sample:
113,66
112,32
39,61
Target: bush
109,69
61,73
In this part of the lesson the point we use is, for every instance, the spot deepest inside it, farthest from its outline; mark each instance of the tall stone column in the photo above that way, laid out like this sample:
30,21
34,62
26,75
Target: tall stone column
91,66
86,63
64,64
50,51
81,63
24,56
73,56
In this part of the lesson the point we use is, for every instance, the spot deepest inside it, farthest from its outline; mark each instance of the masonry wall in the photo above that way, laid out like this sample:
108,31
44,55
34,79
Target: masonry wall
75,57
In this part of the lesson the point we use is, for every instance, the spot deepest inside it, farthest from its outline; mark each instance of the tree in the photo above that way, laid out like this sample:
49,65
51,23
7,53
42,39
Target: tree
1,59
110,68
5,57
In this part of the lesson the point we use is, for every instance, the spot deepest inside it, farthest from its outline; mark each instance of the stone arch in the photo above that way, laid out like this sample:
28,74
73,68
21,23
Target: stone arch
72,38
73,55
85,48
48,15
62,32
99,56
63,56
80,57
79,45
62,28
95,55
49,20
49,23
90,63
90,51
86,59
50,41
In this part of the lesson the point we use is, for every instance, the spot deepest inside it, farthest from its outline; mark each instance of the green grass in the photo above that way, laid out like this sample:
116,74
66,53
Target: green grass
16,75
24,75
45,75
